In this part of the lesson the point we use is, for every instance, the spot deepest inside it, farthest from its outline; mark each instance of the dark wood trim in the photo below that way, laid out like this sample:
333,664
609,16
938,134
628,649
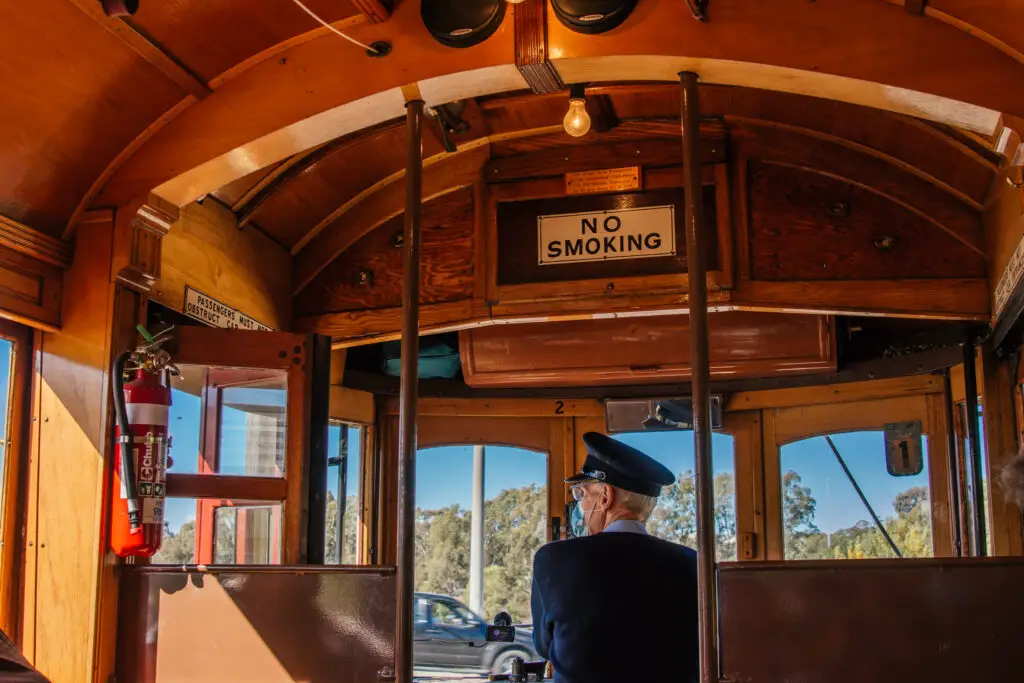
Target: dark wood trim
531,41
374,10
214,486
560,160
882,368
156,55
35,244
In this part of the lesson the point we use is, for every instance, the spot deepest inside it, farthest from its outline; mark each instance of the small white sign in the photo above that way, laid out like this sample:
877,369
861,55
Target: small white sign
641,232
212,312
1008,280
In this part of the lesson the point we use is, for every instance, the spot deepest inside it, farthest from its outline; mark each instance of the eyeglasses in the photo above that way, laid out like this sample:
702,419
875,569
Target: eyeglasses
578,491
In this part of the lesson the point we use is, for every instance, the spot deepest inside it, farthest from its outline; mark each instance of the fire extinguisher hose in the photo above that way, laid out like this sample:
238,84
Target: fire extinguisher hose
127,472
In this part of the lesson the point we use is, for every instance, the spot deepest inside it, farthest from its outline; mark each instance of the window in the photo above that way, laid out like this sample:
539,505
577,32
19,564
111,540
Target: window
824,518
15,372
344,451
675,517
515,504
967,493
446,612
226,424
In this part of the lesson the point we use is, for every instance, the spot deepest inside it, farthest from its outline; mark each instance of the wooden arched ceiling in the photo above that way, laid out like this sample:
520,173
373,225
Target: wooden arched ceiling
318,203
98,112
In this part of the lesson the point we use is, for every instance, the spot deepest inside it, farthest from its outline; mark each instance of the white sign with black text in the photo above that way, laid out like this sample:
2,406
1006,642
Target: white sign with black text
640,232
206,309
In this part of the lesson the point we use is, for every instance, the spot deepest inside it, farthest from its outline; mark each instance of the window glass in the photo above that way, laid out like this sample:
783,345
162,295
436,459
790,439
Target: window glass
824,518
451,613
185,420
247,534
344,451
515,525
968,465
252,421
243,533
675,517
179,541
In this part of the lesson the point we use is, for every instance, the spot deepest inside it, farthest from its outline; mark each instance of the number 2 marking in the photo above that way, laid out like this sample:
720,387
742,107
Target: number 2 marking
559,407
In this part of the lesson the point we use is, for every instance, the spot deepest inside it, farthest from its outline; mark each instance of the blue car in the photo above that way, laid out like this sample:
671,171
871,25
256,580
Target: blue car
449,636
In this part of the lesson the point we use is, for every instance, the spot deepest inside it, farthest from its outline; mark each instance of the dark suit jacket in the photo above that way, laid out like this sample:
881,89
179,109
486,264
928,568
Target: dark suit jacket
616,607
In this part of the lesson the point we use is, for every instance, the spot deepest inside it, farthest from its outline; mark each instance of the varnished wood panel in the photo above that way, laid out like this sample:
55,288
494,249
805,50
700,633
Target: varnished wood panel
66,530
794,236
650,349
241,268
517,237
66,111
30,291
944,299
570,158
195,31
446,269
916,194
308,198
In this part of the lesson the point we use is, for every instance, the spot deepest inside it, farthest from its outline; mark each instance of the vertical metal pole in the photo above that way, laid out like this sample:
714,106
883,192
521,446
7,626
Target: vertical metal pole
696,269
953,465
409,377
342,491
476,534
974,446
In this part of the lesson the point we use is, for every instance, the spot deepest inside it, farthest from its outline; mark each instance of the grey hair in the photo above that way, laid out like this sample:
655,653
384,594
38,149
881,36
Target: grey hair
637,503
1012,479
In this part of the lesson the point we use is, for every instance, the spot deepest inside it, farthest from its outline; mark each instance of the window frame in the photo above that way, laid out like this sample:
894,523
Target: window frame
791,424
13,497
259,351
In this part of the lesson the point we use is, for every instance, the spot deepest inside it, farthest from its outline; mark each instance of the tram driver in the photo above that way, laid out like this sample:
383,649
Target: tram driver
614,604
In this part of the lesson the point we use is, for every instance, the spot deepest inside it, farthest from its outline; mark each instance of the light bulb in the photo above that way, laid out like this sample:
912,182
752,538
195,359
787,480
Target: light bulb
577,120
514,2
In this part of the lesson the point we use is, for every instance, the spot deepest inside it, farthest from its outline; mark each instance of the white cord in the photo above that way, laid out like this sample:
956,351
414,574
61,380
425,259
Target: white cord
331,28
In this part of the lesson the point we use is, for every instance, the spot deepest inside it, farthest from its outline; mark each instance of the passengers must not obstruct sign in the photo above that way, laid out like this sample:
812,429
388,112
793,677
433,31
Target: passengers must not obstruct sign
606,235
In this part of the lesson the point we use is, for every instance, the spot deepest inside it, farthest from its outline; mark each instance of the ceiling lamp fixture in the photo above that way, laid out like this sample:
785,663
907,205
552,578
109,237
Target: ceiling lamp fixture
462,23
577,120
592,16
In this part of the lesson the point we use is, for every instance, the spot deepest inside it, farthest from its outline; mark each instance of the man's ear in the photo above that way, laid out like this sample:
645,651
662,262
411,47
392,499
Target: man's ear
607,498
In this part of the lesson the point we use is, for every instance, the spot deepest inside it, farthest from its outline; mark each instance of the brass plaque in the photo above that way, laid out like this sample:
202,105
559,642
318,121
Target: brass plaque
603,180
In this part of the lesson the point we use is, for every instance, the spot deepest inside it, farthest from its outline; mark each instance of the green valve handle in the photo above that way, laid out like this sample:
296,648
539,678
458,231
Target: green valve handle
145,335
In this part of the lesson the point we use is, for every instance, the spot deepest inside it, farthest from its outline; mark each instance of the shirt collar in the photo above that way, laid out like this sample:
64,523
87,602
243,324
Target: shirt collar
626,526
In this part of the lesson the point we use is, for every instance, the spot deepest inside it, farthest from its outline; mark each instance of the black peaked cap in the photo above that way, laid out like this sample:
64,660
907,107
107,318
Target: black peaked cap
616,464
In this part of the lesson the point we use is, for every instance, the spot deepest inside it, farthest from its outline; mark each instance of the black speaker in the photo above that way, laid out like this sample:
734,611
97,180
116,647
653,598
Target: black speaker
462,23
592,16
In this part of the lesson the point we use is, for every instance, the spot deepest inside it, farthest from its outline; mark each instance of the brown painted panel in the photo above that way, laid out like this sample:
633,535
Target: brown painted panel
794,237
194,31
446,271
647,349
517,237
872,620
74,97
274,625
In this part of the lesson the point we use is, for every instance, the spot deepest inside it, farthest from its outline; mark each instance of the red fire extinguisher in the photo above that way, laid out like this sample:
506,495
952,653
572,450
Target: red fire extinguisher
142,407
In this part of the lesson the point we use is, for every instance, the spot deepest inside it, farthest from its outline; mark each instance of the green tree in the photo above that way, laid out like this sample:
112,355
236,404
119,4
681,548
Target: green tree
675,517
349,529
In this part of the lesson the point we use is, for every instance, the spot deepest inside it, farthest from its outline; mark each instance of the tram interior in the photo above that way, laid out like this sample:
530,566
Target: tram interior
400,278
